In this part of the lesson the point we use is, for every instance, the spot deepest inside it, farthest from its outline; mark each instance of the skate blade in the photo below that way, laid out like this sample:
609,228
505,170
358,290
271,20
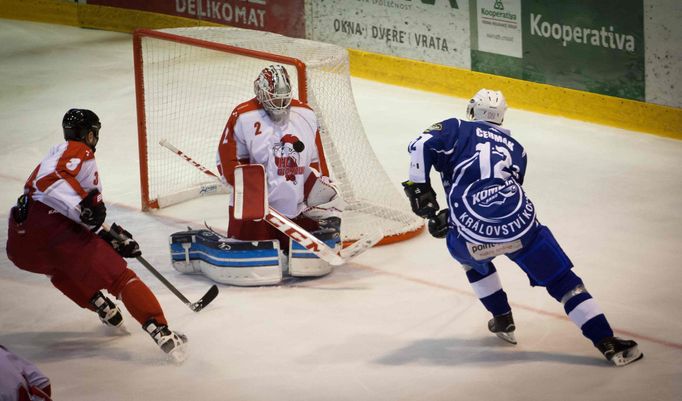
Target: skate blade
178,355
114,331
627,357
508,337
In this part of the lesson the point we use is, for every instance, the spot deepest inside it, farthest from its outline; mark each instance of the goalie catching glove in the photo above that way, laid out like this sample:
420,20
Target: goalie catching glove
422,199
322,198
122,243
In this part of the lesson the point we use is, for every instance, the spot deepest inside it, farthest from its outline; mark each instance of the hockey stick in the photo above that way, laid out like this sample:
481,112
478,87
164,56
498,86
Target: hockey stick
291,229
195,306
365,242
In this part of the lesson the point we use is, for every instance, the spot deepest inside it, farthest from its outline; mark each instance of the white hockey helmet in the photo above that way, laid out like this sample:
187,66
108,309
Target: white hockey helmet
273,91
487,105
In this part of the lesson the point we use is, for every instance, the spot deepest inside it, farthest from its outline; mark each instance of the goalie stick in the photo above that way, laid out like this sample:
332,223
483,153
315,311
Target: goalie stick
366,241
293,230
194,306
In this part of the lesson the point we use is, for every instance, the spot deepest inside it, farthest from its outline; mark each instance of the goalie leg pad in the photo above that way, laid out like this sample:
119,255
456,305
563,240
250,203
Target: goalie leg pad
184,254
303,263
226,261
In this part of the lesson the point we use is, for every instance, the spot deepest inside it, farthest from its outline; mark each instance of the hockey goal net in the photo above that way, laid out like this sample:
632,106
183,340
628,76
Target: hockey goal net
187,82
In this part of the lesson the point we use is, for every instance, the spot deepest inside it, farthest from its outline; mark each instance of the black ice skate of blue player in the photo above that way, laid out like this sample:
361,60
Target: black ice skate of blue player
482,168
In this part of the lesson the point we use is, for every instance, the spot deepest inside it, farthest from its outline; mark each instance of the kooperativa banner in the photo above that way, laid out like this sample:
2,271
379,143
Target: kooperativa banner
596,46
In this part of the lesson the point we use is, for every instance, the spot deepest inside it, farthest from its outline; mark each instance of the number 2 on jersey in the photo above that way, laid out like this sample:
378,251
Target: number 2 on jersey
501,168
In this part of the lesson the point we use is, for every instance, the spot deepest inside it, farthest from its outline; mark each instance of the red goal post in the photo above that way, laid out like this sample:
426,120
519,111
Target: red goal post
188,80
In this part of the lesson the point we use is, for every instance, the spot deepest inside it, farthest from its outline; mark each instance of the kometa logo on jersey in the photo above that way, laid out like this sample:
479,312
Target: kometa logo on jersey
287,157
492,211
494,194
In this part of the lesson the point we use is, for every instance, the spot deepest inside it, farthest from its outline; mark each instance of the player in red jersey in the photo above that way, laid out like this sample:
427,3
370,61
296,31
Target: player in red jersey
53,231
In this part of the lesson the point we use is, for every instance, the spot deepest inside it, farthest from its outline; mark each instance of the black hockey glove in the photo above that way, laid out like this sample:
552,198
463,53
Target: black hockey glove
438,225
422,199
123,242
20,211
93,211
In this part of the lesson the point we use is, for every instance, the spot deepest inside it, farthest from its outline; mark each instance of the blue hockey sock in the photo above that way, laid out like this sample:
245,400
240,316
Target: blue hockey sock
488,288
580,307
597,329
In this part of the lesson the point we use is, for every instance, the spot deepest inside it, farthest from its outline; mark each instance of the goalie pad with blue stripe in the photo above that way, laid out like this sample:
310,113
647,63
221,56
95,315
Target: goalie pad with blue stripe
226,260
303,263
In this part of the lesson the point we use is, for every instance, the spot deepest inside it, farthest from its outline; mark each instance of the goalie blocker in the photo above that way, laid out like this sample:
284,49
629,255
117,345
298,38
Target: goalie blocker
250,192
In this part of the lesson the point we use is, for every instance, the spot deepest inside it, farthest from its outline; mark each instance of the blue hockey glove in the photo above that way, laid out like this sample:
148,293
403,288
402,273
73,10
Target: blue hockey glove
422,198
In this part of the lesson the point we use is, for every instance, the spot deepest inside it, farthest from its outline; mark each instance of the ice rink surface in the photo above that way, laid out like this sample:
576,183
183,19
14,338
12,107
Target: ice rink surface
400,322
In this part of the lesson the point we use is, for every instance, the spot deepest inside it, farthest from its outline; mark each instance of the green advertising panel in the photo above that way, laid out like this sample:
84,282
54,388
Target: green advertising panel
595,46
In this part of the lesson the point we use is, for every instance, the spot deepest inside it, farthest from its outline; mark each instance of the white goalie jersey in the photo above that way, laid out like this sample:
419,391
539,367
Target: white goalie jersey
287,151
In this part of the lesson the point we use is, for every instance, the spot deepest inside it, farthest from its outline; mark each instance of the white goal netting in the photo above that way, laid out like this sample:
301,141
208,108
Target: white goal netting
188,81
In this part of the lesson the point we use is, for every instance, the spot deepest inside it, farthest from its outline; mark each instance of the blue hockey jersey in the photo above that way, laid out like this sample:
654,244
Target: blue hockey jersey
482,169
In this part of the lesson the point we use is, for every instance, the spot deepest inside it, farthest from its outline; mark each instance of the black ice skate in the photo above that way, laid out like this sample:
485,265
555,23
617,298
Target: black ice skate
503,327
107,310
620,352
170,342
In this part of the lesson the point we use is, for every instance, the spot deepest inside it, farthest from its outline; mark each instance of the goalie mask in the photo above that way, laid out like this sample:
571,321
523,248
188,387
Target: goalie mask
487,105
273,91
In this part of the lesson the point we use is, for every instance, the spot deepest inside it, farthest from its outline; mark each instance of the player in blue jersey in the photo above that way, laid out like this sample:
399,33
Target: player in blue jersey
482,169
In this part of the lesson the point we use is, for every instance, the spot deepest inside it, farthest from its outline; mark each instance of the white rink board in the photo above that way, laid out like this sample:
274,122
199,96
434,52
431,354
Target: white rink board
437,33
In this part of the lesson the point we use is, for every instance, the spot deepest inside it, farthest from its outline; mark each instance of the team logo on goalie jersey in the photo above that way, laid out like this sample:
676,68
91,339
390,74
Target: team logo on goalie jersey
492,211
287,157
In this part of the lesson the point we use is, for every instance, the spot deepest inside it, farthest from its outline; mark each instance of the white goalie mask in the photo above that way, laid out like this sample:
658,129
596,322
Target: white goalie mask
273,91
487,105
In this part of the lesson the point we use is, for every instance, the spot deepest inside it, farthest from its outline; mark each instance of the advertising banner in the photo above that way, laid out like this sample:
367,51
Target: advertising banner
595,46
285,17
436,31
498,27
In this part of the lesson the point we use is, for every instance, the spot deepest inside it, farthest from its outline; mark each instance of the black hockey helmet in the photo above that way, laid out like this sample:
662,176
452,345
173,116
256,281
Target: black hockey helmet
78,122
